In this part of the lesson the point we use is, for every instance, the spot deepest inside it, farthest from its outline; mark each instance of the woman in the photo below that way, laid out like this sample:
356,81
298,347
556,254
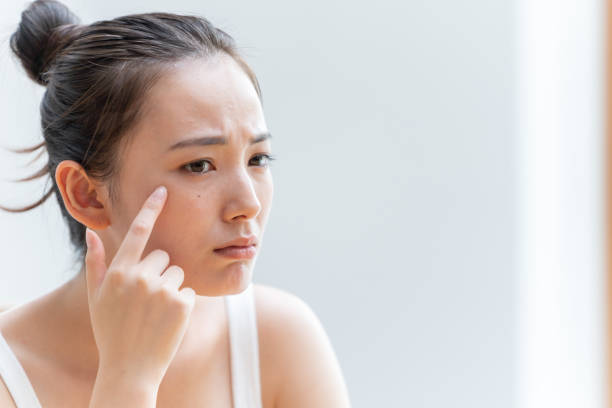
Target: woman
159,155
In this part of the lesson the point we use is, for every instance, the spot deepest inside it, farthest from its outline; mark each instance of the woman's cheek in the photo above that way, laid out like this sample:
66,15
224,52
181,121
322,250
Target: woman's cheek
185,218
193,197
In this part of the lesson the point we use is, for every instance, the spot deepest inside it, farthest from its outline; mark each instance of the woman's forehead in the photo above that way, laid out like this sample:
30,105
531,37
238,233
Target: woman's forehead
201,96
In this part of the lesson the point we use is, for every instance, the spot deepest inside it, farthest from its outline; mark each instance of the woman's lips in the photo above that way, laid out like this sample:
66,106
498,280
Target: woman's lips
237,252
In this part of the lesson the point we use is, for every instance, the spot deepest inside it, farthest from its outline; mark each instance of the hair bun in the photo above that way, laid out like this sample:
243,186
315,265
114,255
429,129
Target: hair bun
44,29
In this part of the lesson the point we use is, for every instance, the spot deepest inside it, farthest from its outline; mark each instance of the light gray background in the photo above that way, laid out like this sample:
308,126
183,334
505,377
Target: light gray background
394,214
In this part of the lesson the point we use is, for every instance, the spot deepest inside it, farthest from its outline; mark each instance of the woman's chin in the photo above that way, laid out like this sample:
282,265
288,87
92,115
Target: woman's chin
231,279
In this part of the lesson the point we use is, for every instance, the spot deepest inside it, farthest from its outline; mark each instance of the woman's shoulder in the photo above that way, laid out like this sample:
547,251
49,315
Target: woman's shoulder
8,320
282,315
296,354
20,317
12,316
271,298
5,397
7,314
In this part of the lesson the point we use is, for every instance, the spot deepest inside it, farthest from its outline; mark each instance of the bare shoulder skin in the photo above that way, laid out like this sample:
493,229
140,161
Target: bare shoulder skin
297,363
297,357
5,397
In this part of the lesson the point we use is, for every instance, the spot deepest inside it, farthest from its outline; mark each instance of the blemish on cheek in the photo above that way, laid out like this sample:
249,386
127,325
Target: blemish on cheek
198,196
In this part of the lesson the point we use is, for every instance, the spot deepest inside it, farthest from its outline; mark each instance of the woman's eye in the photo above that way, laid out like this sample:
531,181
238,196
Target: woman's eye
197,166
265,158
203,166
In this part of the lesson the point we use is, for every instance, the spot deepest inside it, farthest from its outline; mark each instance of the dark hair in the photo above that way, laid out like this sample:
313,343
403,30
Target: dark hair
97,77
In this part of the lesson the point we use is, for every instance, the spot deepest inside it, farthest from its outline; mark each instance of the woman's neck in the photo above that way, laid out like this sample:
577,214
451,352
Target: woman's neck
65,324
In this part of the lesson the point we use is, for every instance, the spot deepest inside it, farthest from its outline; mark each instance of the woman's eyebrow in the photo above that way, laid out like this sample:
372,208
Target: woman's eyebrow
214,140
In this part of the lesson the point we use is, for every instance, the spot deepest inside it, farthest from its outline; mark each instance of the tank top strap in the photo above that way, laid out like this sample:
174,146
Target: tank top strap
15,378
244,349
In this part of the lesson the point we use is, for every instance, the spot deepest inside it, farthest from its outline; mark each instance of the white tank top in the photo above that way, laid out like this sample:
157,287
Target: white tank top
244,358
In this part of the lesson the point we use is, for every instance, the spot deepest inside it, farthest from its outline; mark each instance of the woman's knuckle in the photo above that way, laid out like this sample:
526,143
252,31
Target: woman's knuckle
180,306
166,293
141,282
140,227
116,278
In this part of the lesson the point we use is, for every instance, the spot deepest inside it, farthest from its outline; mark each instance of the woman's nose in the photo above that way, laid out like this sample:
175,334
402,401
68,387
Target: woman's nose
242,200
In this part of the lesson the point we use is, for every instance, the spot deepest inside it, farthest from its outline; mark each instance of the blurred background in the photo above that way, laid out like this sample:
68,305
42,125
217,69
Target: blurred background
439,189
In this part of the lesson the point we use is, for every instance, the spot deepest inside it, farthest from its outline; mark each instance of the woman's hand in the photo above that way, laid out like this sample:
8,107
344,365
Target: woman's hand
138,314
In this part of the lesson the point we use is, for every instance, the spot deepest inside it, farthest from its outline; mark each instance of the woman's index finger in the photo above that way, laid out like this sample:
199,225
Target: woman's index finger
135,240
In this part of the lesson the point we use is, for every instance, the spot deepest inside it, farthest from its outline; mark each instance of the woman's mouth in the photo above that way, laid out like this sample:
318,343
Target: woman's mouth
237,252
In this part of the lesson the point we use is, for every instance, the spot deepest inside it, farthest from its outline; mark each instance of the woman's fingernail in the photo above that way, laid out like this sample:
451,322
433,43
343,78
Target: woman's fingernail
159,192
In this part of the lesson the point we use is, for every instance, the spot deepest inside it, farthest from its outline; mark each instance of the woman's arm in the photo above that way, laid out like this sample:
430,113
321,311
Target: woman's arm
308,370
113,390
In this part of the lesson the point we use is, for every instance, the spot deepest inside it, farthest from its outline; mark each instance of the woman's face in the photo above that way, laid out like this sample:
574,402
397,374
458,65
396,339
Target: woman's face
203,136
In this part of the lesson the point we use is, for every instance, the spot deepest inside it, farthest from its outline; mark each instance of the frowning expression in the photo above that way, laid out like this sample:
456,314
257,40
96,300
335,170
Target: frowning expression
203,135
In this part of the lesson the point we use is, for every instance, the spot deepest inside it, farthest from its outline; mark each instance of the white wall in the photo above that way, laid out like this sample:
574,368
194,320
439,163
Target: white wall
562,283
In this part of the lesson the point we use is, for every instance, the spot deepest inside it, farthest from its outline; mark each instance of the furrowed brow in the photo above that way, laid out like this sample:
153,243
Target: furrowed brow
214,140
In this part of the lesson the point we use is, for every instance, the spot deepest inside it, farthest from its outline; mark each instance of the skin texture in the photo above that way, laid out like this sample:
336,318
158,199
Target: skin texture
52,335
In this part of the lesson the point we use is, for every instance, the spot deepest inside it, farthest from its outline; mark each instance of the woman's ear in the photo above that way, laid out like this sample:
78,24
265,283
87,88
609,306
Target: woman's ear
86,200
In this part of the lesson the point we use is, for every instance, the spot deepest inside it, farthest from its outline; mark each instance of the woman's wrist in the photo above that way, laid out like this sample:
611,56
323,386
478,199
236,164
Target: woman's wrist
120,389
